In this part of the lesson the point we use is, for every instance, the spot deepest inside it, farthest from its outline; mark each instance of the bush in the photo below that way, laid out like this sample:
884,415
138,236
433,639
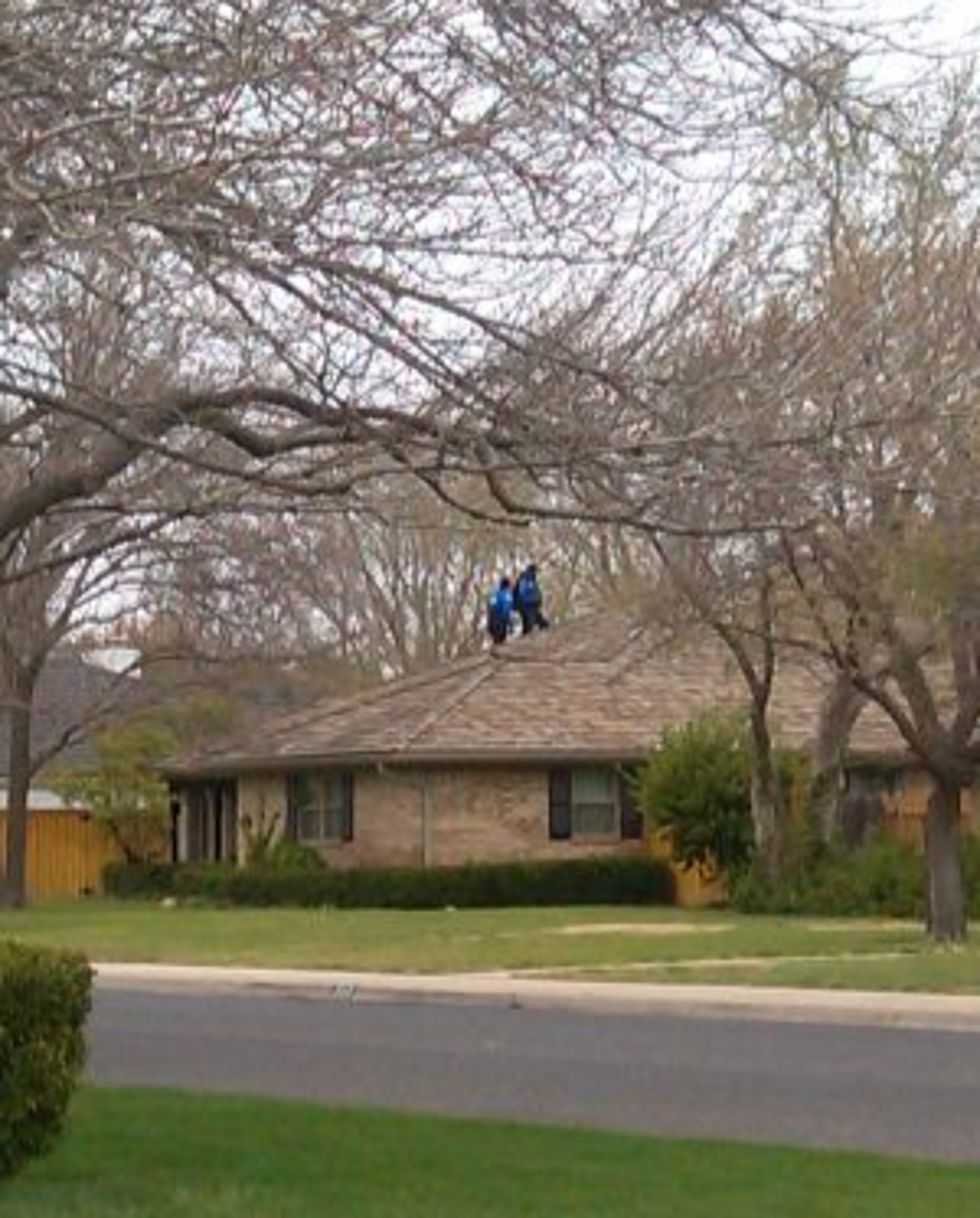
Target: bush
286,855
139,880
595,881
971,875
44,1000
697,787
885,879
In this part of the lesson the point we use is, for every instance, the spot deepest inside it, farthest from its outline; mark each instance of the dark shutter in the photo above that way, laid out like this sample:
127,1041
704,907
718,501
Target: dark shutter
230,816
289,829
175,806
630,815
196,813
192,836
347,786
560,805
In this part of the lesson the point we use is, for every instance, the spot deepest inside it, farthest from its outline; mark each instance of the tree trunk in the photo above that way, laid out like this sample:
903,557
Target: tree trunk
13,889
766,798
945,896
838,714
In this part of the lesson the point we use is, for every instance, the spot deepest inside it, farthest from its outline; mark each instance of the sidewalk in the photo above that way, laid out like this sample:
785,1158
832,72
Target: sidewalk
957,1013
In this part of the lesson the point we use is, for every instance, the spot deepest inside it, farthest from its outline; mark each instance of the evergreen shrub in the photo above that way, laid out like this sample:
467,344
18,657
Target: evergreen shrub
621,880
884,879
44,1000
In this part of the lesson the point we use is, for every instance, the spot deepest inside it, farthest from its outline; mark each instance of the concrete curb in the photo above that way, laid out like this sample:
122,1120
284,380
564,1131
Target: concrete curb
950,1012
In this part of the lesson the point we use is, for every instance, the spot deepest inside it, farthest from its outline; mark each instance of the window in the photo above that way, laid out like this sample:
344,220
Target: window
321,806
591,803
594,808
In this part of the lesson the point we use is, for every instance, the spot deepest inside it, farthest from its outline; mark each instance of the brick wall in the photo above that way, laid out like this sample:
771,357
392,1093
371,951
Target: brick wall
261,808
444,817
438,817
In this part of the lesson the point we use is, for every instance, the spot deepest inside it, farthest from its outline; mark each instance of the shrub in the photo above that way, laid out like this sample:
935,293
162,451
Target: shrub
697,786
286,855
44,999
885,879
971,875
139,880
595,881
124,791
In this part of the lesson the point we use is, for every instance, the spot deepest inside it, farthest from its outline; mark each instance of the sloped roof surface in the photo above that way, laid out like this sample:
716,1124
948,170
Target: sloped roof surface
72,697
598,687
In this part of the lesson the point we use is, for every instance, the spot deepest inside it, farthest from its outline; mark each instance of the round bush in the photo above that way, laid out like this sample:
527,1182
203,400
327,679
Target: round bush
44,1000
697,786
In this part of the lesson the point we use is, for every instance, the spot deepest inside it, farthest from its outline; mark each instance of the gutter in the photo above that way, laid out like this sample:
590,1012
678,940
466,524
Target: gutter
406,760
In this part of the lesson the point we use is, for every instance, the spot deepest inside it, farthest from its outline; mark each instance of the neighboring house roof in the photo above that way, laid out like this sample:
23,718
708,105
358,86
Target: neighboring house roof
72,697
40,799
603,687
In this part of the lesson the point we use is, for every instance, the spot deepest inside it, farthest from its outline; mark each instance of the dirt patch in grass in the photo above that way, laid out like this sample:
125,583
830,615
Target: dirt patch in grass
857,925
640,928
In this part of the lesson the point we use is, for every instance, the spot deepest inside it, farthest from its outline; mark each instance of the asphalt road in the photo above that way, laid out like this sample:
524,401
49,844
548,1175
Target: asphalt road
902,1091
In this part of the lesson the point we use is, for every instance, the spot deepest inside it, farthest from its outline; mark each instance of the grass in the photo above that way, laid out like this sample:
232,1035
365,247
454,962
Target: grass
931,970
160,1154
636,944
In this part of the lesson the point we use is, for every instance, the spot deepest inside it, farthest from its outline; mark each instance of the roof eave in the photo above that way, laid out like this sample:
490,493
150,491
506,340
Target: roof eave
407,759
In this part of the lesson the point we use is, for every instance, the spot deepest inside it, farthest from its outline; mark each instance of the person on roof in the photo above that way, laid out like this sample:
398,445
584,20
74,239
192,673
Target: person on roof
528,599
500,611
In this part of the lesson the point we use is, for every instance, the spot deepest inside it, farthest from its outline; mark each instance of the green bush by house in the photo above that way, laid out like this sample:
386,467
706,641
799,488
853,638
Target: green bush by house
44,1000
599,881
696,785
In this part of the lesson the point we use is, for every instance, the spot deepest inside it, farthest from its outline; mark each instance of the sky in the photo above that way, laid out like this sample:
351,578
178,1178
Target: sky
951,24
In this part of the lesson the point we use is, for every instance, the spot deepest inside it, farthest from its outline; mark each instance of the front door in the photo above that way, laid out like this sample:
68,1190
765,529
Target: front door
212,821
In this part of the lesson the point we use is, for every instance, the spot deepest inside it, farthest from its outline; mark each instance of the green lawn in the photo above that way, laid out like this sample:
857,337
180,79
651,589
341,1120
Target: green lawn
160,1154
929,970
637,944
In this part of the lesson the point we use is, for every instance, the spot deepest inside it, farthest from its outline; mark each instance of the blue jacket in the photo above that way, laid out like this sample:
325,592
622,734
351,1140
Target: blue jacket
528,593
501,604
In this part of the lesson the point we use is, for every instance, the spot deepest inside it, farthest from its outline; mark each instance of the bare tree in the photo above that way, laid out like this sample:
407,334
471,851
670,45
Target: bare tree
880,511
305,226
807,436
53,595
888,577
395,584
335,208
74,565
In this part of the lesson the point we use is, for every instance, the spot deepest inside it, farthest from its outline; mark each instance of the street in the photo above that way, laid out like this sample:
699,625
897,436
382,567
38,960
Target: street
894,1090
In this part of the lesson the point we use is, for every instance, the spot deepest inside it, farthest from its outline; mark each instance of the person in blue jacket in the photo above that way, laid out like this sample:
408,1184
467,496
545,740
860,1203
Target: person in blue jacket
527,600
500,609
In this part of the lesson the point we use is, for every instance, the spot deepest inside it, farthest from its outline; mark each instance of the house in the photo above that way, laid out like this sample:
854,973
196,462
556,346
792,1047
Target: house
66,848
517,752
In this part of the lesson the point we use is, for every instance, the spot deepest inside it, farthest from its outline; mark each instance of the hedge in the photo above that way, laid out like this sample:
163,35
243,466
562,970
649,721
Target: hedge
44,1000
884,879
595,881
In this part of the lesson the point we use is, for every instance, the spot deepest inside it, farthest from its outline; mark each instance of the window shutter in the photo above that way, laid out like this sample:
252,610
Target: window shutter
630,815
347,785
290,828
560,805
192,802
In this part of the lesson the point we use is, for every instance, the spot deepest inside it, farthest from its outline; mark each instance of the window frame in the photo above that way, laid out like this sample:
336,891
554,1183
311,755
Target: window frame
626,822
608,806
326,795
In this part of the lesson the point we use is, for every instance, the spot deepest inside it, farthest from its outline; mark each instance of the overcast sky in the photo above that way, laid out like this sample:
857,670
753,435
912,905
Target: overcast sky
950,22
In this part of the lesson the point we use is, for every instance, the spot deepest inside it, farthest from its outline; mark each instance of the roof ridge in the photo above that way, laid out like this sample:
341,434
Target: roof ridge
627,655
333,705
454,699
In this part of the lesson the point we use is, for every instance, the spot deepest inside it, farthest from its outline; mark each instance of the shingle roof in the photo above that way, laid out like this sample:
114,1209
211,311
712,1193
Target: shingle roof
71,695
602,687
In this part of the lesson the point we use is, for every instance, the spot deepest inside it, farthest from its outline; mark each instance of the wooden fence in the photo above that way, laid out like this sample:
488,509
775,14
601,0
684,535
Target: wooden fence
66,852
